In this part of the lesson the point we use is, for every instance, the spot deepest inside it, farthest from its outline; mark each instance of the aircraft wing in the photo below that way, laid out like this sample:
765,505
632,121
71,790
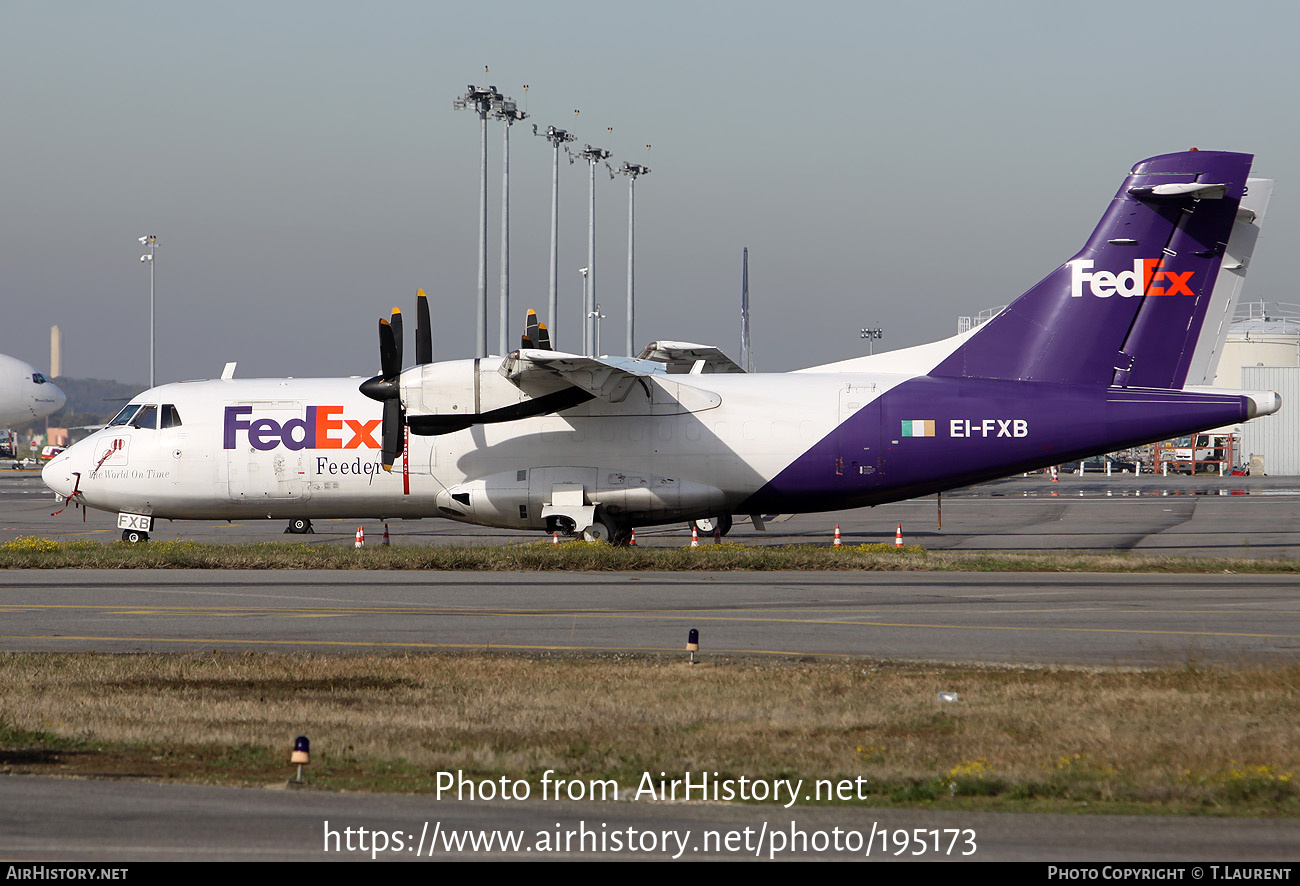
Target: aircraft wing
683,356
536,372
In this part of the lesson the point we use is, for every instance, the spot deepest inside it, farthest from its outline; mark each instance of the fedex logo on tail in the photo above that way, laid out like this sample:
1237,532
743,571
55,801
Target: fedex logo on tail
323,428
1145,278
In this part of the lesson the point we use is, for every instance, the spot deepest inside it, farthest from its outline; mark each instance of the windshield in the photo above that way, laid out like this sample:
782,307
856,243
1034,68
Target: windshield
147,417
125,415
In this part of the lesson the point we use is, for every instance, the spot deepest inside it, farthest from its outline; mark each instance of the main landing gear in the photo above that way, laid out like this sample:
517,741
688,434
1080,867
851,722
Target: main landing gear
707,525
299,526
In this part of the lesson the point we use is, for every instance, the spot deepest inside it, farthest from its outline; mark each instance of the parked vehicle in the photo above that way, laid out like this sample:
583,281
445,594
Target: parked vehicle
1097,464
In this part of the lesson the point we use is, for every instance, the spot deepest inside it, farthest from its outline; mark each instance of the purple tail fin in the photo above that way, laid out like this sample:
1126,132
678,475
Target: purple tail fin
1128,308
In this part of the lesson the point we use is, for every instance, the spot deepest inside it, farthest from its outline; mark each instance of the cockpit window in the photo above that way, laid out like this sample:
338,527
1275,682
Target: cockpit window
170,417
38,378
147,417
125,415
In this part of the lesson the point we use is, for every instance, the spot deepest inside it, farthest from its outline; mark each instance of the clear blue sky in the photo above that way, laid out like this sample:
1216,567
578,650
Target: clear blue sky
886,164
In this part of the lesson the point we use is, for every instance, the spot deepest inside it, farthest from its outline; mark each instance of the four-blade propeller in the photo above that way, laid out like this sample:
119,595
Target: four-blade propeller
387,388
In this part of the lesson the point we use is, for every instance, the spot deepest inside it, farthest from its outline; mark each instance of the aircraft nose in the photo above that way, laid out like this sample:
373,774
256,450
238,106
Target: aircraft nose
58,473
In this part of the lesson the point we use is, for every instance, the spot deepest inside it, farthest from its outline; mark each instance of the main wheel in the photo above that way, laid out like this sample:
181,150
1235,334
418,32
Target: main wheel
597,531
299,526
600,530
134,536
706,525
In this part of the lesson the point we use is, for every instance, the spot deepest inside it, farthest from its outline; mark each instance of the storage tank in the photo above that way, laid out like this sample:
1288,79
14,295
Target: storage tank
1259,337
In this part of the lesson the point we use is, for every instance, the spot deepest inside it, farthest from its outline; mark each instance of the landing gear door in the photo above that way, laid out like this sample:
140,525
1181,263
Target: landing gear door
557,487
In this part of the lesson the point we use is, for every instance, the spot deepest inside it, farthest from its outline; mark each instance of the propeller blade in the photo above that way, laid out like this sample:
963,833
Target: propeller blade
423,330
396,322
543,338
390,359
392,431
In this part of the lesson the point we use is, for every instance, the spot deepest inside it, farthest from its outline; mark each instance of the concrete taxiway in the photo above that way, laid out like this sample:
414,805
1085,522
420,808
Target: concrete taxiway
52,820
1014,618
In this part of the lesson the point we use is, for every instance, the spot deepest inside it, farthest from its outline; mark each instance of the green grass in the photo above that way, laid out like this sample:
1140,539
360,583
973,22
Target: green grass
29,552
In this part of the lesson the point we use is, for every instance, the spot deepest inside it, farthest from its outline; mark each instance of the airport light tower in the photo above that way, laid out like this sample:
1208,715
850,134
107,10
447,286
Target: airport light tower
632,170
481,99
507,112
592,156
150,241
556,137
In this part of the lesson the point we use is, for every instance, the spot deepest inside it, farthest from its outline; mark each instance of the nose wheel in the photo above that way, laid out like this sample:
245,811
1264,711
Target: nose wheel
134,536
299,526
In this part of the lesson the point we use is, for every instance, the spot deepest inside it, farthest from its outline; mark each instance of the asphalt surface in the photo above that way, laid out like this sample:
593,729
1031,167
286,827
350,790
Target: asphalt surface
1015,618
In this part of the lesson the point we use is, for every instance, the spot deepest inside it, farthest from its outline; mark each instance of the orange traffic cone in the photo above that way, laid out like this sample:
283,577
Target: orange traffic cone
898,536
384,543
361,537
695,536
1054,480
632,541
837,542
555,538
717,536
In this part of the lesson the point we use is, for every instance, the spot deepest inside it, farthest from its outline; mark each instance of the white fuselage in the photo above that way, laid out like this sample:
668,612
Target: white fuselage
285,448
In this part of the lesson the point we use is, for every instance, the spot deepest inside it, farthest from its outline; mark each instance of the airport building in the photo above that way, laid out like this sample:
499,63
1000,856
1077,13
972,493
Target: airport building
1262,353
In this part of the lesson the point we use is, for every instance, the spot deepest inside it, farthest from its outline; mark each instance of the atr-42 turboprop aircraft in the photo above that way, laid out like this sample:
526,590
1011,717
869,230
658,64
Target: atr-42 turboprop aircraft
1091,359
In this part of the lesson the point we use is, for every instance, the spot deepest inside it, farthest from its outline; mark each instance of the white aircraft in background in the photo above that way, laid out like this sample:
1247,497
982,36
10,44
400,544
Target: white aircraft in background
1091,359
25,394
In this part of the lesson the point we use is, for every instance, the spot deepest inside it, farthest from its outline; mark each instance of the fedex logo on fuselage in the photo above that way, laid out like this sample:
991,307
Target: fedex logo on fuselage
323,428
1142,279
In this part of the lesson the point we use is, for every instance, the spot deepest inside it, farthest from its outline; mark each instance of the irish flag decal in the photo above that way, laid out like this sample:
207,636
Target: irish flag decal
918,427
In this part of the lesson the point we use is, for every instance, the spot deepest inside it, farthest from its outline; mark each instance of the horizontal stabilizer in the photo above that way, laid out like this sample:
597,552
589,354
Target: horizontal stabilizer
681,357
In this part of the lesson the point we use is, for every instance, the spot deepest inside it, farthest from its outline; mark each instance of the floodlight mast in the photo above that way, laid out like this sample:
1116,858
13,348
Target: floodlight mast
632,170
507,112
151,242
480,99
592,156
556,137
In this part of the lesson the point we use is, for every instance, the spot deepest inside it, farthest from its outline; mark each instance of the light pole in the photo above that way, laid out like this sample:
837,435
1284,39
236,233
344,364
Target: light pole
151,242
481,99
586,323
507,112
596,317
592,156
871,335
631,170
556,137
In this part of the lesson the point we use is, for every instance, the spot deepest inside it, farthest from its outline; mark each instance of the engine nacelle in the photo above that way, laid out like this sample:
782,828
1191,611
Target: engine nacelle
526,499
